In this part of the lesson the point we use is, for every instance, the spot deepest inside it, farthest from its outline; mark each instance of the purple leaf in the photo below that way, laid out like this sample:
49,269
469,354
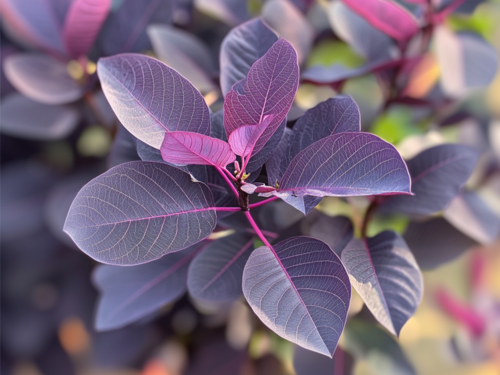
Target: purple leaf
346,164
184,148
28,119
185,53
34,23
82,25
131,293
306,362
269,89
148,153
242,47
138,212
335,231
435,242
470,214
231,12
216,273
124,148
385,274
437,175
244,139
125,29
42,78
467,61
279,15
386,16
300,290
149,98
280,159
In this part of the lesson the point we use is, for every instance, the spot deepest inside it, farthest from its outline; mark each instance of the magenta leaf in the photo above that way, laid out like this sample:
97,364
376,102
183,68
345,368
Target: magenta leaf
269,89
446,166
242,47
244,139
131,293
216,273
184,148
387,16
149,98
82,25
300,290
42,78
346,164
28,119
385,274
138,212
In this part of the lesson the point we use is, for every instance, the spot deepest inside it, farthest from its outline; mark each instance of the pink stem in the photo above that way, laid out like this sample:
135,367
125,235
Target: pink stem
229,174
228,181
257,229
227,209
261,203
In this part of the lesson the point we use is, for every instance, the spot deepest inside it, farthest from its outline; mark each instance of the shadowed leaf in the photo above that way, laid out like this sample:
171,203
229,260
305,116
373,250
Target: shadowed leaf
335,231
231,12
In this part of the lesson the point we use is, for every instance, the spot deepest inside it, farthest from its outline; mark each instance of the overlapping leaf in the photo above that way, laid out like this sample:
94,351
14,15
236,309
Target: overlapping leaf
335,231
216,273
437,176
42,78
82,24
244,139
131,293
385,274
242,47
231,12
300,290
149,98
138,212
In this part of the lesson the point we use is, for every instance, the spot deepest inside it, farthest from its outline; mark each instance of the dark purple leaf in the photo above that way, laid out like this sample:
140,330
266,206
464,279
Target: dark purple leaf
184,148
185,53
124,148
280,15
279,161
242,47
216,273
231,12
470,214
28,119
34,23
138,212
131,293
125,29
300,290
335,231
82,25
217,125
5,51
467,61
346,164
269,89
42,78
386,16
385,274
437,175
148,153
306,362
435,242
150,98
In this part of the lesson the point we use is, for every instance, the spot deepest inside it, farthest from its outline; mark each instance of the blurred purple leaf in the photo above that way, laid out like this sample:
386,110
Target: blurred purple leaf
124,148
306,362
269,89
185,53
279,161
387,16
466,61
244,139
290,24
242,47
384,272
470,214
138,212
148,153
82,25
437,176
300,290
148,107
231,12
216,273
125,29
131,293
28,119
42,78
335,231
184,148
6,50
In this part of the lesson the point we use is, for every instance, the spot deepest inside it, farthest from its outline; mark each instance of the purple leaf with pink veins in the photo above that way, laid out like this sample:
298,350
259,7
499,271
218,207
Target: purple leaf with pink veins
269,89
244,139
184,148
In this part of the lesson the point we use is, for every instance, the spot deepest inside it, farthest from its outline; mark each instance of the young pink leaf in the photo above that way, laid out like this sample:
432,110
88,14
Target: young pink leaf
386,16
82,25
184,148
268,89
244,139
